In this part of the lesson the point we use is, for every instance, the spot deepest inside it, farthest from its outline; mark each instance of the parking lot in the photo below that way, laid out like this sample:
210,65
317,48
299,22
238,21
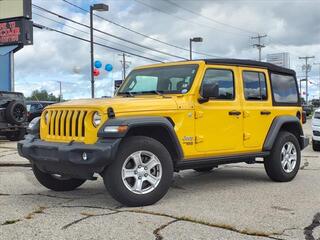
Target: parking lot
232,202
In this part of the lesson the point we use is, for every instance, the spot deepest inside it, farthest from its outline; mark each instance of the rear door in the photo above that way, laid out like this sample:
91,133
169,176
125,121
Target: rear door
257,107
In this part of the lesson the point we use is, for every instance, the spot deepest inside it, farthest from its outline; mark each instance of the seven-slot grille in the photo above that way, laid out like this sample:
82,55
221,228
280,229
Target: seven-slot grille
66,124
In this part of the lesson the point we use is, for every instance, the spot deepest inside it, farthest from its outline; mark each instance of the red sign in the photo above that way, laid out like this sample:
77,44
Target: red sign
9,32
16,32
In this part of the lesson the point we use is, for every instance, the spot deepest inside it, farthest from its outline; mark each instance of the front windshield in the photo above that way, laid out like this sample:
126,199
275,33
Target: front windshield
167,80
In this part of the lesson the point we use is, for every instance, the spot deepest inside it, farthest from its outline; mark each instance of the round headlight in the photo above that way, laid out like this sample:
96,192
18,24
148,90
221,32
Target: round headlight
96,119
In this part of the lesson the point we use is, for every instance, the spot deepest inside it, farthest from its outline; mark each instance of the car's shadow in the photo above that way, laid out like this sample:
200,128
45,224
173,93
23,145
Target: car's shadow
185,183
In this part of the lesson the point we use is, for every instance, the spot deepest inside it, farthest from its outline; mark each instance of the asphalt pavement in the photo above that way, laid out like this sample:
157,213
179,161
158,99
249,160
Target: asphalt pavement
235,201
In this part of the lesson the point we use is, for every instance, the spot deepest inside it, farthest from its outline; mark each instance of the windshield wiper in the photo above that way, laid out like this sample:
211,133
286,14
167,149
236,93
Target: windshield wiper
127,94
160,93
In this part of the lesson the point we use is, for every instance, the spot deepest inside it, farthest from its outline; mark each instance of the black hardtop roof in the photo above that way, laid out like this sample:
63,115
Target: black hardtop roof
250,63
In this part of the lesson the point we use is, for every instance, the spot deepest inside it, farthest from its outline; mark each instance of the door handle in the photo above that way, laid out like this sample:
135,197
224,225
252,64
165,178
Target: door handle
265,112
234,113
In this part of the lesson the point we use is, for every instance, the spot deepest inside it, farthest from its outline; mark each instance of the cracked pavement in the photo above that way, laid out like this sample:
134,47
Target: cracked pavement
232,202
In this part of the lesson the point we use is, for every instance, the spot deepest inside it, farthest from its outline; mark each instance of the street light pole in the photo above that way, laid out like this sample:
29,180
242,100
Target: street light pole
95,7
195,39
91,51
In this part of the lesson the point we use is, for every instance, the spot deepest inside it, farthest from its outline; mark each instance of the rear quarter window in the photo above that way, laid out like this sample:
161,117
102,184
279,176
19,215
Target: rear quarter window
284,89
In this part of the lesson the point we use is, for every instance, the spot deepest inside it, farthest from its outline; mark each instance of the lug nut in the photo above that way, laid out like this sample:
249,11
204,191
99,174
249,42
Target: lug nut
145,168
139,166
140,178
135,172
146,174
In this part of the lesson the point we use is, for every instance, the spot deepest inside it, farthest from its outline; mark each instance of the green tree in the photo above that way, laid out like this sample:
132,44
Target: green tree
42,95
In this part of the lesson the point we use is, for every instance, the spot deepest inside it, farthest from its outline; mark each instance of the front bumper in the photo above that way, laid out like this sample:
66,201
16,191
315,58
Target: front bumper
66,158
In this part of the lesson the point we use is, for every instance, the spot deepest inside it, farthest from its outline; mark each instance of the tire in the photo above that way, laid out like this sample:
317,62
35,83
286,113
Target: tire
273,163
203,169
54,183
16,135
125,190
16,113
316,146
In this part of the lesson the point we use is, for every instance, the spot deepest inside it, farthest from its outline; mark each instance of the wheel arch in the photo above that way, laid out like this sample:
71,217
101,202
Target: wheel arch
283,123
158,128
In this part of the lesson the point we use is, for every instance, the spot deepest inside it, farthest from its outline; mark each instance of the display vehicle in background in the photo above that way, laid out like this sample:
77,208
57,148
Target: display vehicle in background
13,115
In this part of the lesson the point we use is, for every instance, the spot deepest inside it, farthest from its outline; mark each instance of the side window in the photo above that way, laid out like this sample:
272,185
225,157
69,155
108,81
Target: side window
255,87
284,88
223,79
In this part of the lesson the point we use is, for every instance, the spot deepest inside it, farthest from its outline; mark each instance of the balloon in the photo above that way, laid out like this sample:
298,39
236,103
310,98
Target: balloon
108,67
96,72
76,69
98,64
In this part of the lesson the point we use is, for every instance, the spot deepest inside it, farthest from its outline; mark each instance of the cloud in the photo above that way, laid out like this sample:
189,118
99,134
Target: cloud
290,27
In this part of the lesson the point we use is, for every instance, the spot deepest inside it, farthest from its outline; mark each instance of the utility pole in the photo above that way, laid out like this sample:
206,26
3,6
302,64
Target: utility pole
319,77
259,45
306,58
124,63
60,90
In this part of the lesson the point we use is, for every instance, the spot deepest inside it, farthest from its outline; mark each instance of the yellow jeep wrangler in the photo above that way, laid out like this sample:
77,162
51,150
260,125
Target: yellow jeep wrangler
170,117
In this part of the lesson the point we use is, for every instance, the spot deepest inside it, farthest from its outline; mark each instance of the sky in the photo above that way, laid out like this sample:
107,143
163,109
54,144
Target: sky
226,27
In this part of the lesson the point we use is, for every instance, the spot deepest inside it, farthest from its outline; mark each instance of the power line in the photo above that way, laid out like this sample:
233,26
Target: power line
208,18
103,39
189,21
40,26
139,33
109,34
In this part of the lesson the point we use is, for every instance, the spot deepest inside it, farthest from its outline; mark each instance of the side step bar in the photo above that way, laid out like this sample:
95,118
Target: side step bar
214,162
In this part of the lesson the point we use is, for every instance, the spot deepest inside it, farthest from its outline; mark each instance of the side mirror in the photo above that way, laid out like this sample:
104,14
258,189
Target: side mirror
209,91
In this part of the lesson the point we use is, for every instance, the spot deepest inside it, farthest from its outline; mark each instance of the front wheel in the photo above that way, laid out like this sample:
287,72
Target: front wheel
284,161
141,174
56,182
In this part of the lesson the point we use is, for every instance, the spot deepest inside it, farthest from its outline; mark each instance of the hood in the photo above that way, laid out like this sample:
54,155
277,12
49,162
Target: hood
122,104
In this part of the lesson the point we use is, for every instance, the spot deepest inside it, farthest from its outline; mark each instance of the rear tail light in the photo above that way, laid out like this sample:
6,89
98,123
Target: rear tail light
304,117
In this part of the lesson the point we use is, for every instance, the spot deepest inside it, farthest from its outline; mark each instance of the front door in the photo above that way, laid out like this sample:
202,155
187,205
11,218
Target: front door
219,129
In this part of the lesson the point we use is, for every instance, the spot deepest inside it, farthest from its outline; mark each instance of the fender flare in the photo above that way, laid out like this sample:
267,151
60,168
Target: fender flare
135,122
275,128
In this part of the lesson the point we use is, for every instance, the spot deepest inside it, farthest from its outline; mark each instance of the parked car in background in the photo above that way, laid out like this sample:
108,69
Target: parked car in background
308,109
35,108
316,130
13,115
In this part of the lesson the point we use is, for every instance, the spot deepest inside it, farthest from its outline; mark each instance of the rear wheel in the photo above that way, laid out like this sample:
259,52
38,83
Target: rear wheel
316,146
56,182
284,161
142,173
